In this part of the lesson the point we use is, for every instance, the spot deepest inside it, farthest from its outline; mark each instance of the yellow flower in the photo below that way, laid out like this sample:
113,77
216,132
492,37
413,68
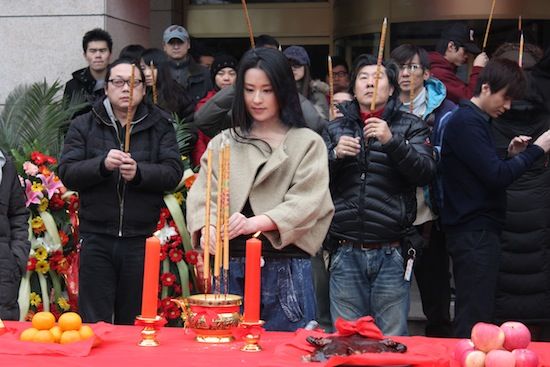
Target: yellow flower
179,197
41,253
37,223
42,266
62,302
37,187
36,300
43,204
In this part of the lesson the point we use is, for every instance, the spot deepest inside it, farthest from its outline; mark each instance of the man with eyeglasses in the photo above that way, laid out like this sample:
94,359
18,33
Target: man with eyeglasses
340,74
451,52
120,192
425,96
87,84
193,77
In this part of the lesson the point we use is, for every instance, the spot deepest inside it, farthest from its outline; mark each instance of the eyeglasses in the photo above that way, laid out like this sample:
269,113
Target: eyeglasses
119,83
340,74
410,67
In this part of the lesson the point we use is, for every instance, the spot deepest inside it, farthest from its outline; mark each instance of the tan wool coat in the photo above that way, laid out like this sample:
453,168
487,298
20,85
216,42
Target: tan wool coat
288,184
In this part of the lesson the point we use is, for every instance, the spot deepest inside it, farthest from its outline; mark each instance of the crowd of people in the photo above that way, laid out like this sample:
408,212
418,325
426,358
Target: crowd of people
407,169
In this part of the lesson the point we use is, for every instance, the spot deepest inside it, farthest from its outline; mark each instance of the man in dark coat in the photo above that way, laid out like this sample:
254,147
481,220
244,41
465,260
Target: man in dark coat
376,159
87,84
14,243
120,193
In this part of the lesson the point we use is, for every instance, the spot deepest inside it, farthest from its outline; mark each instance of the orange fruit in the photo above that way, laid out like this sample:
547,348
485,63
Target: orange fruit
43,336
86,332
70,321
43,320
69,336
56,332
27,334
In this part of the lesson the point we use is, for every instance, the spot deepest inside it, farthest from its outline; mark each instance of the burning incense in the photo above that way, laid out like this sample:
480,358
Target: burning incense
248,24
155,93
129,114
488,26
379,63
206,272
521,45
331,89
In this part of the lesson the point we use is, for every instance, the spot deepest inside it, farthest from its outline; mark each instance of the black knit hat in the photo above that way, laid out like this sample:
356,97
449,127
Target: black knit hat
220,62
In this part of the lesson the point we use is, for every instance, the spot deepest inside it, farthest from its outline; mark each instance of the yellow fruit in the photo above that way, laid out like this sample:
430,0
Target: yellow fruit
69,336
70,321
43,336
27,334
56,332
43,320
86,332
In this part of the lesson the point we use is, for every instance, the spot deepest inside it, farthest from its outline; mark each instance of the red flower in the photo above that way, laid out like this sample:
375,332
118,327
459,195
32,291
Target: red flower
167,279
56,203
163,252
74,203
64,238
38,158
173,313
177,289
176,241
31,264
165,303
191,257
190,180
175,255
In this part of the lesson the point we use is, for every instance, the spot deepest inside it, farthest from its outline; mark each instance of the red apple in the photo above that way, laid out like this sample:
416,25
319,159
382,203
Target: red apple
473,358
526,358
516,335
462,346
500,358
487,337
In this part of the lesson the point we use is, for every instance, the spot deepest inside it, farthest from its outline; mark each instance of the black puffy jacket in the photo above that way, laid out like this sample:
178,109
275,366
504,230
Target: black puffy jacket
523,287
108,204
14,246
81,89
374,192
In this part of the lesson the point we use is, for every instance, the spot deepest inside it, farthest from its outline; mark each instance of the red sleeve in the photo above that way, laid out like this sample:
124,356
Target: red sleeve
200,148
456,88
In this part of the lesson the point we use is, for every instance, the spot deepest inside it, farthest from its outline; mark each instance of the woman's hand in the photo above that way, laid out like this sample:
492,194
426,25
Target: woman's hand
211,240
238,225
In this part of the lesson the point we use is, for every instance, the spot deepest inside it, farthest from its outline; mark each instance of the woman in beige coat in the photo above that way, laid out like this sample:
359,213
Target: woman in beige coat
278,185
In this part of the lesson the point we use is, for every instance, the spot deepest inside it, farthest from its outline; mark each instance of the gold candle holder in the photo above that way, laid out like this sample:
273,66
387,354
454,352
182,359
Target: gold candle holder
149,332
252,336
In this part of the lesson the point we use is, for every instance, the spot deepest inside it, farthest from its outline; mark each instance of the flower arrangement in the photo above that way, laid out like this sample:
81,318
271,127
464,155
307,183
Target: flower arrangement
179,261
50,283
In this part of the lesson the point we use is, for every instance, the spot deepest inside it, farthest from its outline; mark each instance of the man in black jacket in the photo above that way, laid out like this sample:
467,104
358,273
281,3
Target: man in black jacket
120,193
14,245
87,84
193,77
377,159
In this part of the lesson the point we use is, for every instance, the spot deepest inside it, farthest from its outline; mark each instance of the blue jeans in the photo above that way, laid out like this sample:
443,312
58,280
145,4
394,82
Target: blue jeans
476,260
370,282
287,295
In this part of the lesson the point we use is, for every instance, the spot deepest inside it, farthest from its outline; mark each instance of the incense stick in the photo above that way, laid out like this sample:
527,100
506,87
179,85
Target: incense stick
488,26
379,63
206,271
248,24
330,89
129,113
155,92
521,45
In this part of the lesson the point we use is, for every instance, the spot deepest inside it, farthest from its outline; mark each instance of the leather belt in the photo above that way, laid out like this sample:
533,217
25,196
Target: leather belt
370,246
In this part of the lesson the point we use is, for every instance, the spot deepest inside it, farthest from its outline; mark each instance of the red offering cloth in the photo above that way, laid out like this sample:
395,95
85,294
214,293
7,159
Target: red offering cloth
178,347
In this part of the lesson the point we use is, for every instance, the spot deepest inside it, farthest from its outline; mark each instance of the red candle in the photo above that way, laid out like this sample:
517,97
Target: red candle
252,279
150,278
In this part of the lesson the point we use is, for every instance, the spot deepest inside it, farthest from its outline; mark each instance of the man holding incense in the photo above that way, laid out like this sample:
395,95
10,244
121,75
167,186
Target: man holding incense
377,158
425,96
451,52
120,179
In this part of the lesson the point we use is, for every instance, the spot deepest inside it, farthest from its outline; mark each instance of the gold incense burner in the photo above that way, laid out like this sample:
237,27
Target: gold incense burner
211,316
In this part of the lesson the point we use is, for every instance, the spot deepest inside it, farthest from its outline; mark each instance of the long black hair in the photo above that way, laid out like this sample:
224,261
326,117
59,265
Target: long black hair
172,96
278,71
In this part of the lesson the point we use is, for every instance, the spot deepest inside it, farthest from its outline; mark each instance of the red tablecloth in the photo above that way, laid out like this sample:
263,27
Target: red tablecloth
178,348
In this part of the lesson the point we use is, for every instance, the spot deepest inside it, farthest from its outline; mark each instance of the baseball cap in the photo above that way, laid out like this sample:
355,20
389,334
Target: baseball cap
297,54
175,31
462,35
